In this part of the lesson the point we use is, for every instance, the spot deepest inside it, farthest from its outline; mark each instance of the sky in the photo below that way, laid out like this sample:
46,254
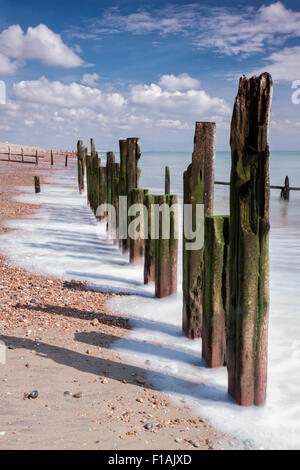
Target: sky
110,69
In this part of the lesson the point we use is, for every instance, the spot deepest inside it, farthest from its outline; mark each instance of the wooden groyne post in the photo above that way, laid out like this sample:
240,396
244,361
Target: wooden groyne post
130,153
37,185
215,290
66,160
167,180
198,189
137,245
285,192
166,247
51,158
80,164
149,262
249,242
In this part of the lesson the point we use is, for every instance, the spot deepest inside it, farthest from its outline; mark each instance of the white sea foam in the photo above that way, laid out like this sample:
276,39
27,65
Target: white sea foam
63,239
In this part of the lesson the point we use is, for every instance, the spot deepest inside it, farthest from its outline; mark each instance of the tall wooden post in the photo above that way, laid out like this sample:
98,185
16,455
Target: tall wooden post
133,156
149,264
198,185
285,192
166,250
137,246
36,157
37,185
249,241
51,158
215,290
66,160
80,164
167,180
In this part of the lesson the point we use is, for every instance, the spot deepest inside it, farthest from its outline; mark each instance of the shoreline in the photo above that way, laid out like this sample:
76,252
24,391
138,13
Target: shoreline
63,331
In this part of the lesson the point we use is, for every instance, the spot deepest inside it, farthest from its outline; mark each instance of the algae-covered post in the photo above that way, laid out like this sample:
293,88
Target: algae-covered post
80,164
167,180
37,185
166,246
285,192
249,241
215,290
149,263
136,225
198,185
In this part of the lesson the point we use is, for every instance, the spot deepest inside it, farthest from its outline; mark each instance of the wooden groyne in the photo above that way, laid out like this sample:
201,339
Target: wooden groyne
225,272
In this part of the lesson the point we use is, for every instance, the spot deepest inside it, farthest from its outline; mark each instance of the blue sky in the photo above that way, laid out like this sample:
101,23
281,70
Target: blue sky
113,69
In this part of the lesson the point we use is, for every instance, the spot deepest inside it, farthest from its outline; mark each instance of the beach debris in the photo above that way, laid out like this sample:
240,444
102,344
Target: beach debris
77,395
32,395
88,351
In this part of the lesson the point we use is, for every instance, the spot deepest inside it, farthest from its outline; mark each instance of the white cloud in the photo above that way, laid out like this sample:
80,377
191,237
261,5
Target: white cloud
229,31
38,43
90,79
284,64
179,82
57,93
71,110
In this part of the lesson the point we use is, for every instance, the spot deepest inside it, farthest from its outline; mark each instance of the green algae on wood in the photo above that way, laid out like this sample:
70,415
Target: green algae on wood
249,242
137,244
166,248
198,184
215,290
167,180
149,264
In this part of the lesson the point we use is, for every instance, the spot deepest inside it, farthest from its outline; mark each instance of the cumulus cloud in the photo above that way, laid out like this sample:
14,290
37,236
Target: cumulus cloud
38,43
90,79
179,82
57,93
74,109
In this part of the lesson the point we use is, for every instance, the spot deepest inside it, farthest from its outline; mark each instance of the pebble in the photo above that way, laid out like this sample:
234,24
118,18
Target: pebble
33,394
148,426
178,439
77,395
67,393
95,322
141,380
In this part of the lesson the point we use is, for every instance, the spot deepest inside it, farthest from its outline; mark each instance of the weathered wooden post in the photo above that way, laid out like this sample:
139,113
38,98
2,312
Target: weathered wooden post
80,164
198,185
133,156
166,247
137,221
249,241
285,192
149,263
66,160
37,185
36,157
130,153
22,154
102,188
167,180
215,290
51,157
